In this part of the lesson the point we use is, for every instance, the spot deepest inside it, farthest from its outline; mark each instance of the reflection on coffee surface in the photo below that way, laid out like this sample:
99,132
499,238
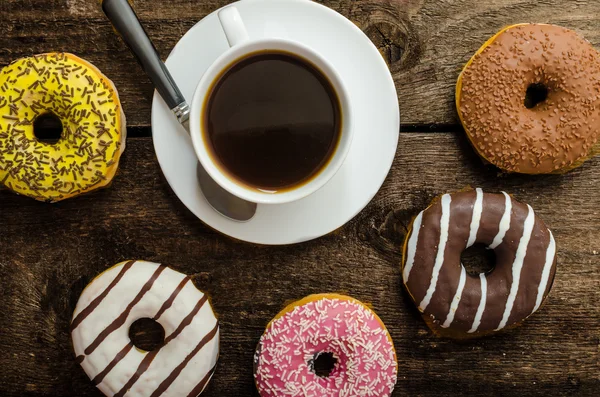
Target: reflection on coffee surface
271,121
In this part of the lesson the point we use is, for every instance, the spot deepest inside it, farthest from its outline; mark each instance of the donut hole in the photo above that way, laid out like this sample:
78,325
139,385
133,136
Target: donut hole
478,259
48,128
146,334
323,364
536,93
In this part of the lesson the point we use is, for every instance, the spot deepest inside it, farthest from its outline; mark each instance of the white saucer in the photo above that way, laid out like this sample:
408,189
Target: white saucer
370,87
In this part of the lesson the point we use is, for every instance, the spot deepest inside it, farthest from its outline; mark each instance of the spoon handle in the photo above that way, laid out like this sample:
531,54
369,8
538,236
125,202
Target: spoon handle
127,25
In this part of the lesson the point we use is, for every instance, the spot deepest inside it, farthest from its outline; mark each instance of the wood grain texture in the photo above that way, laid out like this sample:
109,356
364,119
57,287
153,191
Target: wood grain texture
426,43
48,253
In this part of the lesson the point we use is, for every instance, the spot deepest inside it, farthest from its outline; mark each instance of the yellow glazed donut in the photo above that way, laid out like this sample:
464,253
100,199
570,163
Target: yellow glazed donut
87,154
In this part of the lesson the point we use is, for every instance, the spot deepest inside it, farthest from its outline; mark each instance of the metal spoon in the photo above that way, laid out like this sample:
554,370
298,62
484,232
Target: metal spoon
128,26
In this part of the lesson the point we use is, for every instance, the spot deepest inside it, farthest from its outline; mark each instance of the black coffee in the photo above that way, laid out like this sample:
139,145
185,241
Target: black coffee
272,121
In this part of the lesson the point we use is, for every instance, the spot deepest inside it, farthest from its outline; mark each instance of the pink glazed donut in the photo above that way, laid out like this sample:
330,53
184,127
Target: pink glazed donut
325,345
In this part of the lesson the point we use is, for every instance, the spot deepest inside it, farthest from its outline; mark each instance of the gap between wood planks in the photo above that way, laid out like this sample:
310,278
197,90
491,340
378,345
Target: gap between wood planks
146,132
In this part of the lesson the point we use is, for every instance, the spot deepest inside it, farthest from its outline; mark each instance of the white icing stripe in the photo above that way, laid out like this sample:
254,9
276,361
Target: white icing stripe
504,222
457,296
476,219
518,266
439,259
411,248
482,302
550,252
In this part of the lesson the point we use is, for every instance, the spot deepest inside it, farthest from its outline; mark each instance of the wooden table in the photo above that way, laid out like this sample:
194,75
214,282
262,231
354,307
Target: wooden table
48,253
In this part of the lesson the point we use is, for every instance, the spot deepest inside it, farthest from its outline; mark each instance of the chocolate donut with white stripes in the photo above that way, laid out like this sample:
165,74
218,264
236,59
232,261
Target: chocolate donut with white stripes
457,304
185,361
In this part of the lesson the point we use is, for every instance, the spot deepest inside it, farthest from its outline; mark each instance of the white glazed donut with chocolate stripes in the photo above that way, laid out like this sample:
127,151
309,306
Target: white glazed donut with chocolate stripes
457,304
181,366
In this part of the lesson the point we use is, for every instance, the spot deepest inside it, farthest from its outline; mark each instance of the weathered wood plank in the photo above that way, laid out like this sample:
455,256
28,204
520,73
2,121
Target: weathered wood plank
426,43
48,253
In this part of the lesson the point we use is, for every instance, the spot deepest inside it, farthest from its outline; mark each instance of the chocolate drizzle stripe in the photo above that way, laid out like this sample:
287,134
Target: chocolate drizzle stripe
517,266
119,321
187,320
476,218
202,384
439,260
146,361
79,359
550,252
120,355
150,356
482,302
411,248
456,299
96,302
171,299
175,373
504,222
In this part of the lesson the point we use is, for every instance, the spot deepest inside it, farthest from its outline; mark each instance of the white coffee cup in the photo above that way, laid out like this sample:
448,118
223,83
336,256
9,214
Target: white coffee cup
240,45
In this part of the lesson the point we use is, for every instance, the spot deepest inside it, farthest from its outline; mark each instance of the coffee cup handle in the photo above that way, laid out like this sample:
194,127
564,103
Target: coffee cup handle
233,26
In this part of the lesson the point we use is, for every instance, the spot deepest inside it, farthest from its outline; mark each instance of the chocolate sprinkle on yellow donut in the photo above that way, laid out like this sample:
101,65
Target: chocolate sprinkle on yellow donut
93,137
556,134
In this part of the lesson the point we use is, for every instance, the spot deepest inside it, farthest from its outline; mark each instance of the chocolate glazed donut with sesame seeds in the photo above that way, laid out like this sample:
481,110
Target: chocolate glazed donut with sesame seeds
460,305
529,99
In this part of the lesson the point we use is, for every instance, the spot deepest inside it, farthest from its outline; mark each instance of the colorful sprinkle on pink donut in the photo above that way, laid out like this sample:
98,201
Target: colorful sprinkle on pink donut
326,345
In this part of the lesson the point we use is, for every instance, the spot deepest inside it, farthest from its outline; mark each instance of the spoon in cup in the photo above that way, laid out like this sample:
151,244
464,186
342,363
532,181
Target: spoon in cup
128,26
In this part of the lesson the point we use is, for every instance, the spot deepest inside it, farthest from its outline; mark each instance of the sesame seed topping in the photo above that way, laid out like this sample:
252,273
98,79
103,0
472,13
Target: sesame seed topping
558,129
